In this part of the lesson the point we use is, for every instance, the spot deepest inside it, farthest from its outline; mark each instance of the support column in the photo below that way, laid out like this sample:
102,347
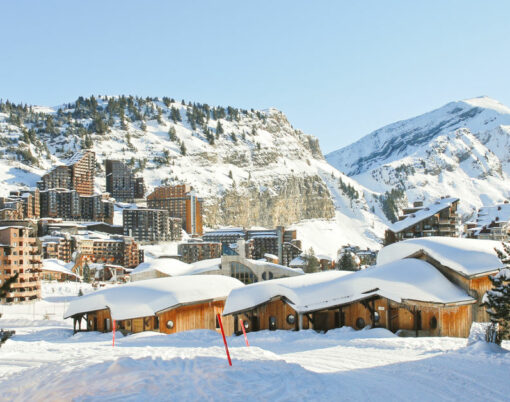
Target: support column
300,322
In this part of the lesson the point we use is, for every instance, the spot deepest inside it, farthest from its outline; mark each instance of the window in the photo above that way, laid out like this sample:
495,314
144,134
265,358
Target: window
169,324
377,317
291,319
360,323
433,322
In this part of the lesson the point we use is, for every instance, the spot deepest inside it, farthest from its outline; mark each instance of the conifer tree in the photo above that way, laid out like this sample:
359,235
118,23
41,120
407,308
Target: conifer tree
172,134
183,149
497,301
86,272
312,263
219,128
6,286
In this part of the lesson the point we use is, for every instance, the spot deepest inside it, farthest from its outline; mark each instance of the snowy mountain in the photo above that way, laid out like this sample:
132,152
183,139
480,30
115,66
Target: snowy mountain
252,168
461,149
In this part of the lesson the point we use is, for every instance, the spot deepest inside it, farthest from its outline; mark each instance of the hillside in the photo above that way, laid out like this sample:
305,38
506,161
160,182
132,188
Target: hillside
252,168
461,149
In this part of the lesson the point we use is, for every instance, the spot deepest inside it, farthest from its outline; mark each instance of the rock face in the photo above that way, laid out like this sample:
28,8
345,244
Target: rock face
282,202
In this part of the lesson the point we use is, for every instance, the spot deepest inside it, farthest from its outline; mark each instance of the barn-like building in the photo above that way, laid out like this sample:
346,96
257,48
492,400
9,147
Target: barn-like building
408,295
167,305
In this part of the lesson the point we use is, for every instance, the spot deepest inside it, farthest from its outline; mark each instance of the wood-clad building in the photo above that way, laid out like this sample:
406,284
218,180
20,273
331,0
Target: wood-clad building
409,295
468,263
437,219
166,305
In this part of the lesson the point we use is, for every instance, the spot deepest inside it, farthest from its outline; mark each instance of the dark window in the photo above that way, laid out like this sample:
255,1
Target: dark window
217,323
433,322
272,323
360,323
291,319
169,324
266,275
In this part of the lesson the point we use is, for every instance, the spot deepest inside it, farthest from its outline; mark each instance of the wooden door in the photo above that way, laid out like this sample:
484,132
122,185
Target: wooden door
137,325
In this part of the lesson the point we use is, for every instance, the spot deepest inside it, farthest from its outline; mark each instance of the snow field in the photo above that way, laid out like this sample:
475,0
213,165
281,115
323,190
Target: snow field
44,361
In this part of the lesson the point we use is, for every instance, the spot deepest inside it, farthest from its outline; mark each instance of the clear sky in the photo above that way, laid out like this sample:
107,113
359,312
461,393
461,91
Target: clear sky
338,69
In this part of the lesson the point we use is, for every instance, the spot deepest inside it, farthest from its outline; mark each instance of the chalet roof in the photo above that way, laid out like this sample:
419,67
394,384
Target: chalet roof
423,213
499,213
146,298
55,265
174,267
469,257
409,279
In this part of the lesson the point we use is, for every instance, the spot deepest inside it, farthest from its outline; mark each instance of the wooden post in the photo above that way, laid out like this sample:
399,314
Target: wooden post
224,339
300,322
244,332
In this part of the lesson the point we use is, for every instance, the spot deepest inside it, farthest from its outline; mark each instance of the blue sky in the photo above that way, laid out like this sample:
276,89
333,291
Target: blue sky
338,69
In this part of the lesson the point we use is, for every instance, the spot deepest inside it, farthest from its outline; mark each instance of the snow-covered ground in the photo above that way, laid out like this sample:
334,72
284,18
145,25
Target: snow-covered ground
44,361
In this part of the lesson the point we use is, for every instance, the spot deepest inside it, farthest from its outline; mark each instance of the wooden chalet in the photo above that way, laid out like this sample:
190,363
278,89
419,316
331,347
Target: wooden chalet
468,263
408,295
437,219
165,305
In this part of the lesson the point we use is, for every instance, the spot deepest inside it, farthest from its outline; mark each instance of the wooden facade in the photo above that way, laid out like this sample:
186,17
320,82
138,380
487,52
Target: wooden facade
183,318
413,318
475,285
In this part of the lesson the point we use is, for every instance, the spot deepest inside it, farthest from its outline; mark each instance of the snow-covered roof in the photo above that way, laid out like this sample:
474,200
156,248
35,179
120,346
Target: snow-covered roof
174,267
297,262
487,215
271,256
402,280
213,264
226,232
423,213
469,257
276,266
146,298
53,264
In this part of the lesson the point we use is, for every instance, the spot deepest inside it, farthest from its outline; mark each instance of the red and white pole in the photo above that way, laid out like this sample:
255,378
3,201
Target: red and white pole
244,333
113,330
224,339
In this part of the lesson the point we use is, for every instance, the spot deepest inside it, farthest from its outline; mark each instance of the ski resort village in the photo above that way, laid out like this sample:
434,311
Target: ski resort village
161,249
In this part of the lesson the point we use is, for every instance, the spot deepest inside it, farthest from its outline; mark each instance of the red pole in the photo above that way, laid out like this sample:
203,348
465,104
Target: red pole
113,327
224,339
244,332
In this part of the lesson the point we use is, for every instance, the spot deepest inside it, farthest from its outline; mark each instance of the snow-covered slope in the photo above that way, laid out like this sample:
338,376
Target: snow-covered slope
461,149
252,168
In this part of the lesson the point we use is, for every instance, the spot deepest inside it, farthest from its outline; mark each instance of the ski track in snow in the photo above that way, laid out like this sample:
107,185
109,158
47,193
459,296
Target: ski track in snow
44,361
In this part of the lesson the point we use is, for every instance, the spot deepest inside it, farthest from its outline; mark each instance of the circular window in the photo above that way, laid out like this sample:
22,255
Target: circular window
291,319
377,317
433,323
360,323
169,324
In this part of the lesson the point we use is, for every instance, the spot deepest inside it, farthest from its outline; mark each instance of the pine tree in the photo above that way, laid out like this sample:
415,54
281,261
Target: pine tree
80,292
6,286
219,129
172,134
86,273
183,149
312,263
497,301
347,263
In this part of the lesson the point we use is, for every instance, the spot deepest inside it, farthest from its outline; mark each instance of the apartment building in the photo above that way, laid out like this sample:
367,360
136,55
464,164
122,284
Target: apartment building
257,243
96,208
437,219
19,254
60,203
196,250
181,202
492,223
76,174
120,181
151,225
58,246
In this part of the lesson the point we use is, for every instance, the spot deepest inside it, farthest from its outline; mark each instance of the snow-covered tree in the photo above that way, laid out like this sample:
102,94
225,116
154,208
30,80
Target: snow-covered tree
497,301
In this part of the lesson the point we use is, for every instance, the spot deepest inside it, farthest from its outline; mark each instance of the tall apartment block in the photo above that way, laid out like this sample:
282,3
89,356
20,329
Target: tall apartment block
60,203
19,254
69,205
151,225
121,182
194,251
96,208
77,174
181,202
